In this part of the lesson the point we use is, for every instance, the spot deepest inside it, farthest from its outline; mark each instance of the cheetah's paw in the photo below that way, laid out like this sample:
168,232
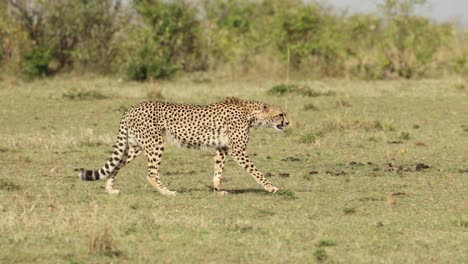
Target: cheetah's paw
169,193
271,189
113,191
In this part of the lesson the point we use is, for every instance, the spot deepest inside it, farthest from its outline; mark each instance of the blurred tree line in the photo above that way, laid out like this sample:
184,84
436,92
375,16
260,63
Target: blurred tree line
155,39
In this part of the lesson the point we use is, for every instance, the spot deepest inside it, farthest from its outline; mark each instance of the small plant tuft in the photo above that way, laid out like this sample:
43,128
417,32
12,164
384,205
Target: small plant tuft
8,185
309,138
320,255
103,243
304,90
282,89
288,194
74,261
264,213
307,91
340,103
242,228
460,222
460,86
154,95
92,143
326,243
310,107
4,150
85,95
349,210
405,135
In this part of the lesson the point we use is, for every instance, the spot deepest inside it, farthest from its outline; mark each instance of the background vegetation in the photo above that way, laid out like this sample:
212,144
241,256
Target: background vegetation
155,39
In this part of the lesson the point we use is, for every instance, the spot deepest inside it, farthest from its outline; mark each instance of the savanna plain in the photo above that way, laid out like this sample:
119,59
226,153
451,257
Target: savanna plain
369,172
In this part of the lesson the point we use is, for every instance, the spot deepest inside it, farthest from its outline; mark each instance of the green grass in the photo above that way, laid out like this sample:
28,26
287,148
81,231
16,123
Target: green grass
337,168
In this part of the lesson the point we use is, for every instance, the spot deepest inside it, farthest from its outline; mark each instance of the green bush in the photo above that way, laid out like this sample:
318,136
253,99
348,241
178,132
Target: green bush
310,37
460,64
236,32
167,42
37,62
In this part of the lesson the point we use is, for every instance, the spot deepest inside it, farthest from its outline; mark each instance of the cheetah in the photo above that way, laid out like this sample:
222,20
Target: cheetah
224,125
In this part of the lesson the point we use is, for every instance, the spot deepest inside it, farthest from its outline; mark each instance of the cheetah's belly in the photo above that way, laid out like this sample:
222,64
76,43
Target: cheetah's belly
199,137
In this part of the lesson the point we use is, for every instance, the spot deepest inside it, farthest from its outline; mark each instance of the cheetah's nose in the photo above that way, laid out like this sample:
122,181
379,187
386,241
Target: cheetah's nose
286,123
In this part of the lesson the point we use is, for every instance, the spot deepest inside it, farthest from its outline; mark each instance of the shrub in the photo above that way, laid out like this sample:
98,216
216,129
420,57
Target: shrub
167,40
37,62
237,31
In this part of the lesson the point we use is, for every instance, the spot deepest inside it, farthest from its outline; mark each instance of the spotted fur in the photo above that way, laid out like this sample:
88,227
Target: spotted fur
223,125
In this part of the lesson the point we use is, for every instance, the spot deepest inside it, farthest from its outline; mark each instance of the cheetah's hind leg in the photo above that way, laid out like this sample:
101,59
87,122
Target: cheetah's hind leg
218,170
153,155
125,150
133,151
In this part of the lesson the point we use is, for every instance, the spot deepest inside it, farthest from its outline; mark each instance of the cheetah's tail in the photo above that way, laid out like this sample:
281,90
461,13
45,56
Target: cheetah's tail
89,175
114,162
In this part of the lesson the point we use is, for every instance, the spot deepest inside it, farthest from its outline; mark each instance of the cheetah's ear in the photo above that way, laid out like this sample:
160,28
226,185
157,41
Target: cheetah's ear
268,109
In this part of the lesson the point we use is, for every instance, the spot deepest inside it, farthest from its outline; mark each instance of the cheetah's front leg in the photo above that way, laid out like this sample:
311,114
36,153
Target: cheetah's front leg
243,160
218,170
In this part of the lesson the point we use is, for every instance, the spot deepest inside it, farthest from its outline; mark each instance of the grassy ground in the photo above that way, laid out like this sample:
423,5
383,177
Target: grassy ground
370,172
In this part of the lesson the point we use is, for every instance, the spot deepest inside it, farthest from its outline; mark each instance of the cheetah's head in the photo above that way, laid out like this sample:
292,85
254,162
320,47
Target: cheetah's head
270,115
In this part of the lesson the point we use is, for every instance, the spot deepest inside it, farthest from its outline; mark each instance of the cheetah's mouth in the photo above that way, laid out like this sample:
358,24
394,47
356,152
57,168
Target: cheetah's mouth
279,127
